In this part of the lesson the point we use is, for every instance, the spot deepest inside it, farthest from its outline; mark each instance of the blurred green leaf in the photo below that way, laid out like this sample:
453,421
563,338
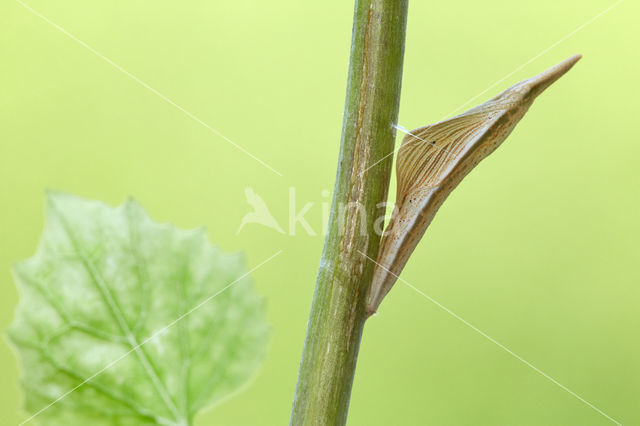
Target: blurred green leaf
174,319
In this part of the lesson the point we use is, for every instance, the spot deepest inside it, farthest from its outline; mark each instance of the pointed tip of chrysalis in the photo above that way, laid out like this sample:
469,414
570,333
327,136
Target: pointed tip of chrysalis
566,65
545,79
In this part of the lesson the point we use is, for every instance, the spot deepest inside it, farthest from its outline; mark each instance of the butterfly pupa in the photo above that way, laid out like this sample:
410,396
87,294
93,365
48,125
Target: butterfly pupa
432,161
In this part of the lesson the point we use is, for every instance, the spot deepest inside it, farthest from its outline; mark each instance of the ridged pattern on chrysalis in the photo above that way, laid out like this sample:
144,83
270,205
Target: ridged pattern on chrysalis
432,160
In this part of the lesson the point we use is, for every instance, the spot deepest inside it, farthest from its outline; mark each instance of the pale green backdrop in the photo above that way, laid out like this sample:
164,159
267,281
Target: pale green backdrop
538,248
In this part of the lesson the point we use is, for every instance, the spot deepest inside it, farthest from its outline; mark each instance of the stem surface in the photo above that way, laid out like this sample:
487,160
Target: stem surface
338,310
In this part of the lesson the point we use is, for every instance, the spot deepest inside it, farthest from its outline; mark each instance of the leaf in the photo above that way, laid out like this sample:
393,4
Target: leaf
432,161
175,321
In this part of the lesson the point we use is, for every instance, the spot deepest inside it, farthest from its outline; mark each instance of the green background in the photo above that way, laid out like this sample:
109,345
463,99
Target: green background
538,247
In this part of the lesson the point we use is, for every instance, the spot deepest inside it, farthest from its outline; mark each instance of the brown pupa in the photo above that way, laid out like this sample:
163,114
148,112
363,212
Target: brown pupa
432,161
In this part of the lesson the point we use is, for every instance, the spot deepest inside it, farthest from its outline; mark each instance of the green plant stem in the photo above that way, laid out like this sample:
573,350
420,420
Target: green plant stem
338,311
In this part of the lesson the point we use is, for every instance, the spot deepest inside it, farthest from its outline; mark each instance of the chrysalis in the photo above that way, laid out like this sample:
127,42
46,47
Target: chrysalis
432,161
